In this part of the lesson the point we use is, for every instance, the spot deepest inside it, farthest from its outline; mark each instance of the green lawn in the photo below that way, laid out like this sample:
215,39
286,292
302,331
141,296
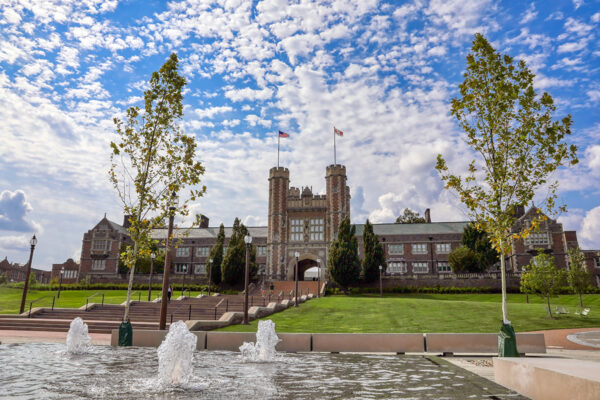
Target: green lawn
427,313
10,299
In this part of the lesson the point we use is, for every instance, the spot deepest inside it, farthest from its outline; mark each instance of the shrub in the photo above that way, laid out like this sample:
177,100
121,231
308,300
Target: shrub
463,259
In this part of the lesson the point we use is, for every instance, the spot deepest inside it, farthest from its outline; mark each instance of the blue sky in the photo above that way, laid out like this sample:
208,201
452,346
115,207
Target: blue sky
383,72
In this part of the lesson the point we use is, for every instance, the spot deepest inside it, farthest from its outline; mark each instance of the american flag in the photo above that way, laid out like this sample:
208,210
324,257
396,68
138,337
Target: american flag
337,131
283,134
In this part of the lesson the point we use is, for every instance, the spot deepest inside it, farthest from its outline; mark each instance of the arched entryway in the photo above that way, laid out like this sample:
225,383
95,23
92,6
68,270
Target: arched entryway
305,261
303,266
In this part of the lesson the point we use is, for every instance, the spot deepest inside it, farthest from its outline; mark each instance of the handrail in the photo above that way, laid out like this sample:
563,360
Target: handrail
179,307
218,304
40,298
94,295
139,295
188,292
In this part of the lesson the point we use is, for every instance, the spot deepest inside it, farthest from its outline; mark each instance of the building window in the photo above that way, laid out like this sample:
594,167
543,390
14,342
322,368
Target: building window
396,248
420,267
180,268
98,264
443,267
296,230
397,267
419,248
537,239
101,245
597,260
261,251
442,248
316,229
200,269
202,251
70,274
183,252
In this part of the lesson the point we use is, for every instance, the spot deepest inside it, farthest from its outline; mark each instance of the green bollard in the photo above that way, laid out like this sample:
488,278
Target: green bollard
125,334
507,341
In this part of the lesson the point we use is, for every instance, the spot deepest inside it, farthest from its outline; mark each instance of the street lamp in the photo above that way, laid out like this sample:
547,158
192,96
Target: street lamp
32,242
184,268
319,278
380,281
247,240
152,257
296,294
163,304
210,260
62,272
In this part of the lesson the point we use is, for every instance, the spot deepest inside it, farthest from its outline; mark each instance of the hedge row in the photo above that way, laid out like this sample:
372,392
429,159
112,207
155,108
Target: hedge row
440,290
110,286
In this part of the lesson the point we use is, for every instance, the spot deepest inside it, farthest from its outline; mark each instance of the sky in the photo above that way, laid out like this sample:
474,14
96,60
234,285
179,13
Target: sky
382,72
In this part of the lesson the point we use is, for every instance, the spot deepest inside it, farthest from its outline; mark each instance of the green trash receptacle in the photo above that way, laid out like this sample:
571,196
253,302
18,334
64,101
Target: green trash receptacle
125,334
507,341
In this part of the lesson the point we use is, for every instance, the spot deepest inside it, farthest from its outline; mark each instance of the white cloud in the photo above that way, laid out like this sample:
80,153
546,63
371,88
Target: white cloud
572,46
530,14
590,229
253,120
210,112
249,94
14,242
14,208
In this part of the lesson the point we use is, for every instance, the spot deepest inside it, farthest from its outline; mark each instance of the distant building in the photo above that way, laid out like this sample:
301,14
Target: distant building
303,222
70,271
15,272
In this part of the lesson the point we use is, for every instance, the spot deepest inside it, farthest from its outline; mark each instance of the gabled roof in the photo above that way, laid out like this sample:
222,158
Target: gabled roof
113,225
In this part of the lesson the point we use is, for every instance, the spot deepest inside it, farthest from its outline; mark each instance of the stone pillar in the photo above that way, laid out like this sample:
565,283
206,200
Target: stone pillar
279,183
338,199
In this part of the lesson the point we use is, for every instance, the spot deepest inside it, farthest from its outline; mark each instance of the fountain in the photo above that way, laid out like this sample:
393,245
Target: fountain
176,355
78,339
266,340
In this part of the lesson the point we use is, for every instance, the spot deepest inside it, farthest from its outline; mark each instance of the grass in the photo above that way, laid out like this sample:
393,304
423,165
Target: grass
10,298
428,313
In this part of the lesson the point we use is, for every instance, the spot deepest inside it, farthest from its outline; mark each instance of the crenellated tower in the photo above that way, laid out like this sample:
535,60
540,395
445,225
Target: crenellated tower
338,198
279,183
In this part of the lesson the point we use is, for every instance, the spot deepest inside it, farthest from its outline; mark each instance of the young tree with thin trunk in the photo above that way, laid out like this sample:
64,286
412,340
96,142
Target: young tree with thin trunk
233,267
578,276
516,142
543,278
373,255
151,160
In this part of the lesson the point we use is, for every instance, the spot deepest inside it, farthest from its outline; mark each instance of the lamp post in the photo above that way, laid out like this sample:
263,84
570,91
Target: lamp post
185,268
319,278
163,304
431,241
32,242
62,272
210,260
296,275
247,240
152,257
380,281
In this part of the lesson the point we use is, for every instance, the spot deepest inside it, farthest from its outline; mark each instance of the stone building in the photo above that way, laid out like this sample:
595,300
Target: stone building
16,272
70,271
300,221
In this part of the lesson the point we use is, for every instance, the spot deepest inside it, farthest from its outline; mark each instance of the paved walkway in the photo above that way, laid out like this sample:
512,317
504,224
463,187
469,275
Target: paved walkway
572,339
47,337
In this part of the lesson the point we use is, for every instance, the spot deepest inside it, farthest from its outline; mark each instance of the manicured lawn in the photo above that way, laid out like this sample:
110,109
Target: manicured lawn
10,299
427,313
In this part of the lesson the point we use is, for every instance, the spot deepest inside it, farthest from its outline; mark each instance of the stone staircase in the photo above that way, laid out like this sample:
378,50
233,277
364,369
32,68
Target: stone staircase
142,314
304,287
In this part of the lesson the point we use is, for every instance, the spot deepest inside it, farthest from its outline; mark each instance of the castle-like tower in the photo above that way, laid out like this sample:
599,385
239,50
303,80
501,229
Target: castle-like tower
302,222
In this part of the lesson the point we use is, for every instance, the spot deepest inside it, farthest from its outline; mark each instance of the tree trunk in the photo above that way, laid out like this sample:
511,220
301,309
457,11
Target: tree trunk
503,277
130,285
580,300
549,309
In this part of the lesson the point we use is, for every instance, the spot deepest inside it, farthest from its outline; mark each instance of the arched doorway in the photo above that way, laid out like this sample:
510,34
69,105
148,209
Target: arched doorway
305,261
303,266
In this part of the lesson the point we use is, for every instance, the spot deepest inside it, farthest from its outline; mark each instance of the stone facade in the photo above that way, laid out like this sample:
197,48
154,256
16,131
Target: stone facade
70,271
16,272
303,222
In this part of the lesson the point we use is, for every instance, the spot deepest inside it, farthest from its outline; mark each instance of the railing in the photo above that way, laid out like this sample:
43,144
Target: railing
38,299
92,296
219,303
280,296
139,295
180,307
188,292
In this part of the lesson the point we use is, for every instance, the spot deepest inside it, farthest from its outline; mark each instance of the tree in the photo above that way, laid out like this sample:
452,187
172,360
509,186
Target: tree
542,277
343,262
151,160
578,276
234,262
32,280
216,254
462,259
479,242
410,217
3,279
374,256
516,142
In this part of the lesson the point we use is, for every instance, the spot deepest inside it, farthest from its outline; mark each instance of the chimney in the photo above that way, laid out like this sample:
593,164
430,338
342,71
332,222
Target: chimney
203,221
427,216
519,211
126,223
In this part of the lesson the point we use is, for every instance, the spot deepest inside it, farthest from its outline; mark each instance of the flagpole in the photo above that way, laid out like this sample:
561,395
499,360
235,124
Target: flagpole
334,159
278,139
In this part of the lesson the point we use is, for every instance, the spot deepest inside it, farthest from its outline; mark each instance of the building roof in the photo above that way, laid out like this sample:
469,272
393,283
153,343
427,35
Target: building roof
202,233
433,228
